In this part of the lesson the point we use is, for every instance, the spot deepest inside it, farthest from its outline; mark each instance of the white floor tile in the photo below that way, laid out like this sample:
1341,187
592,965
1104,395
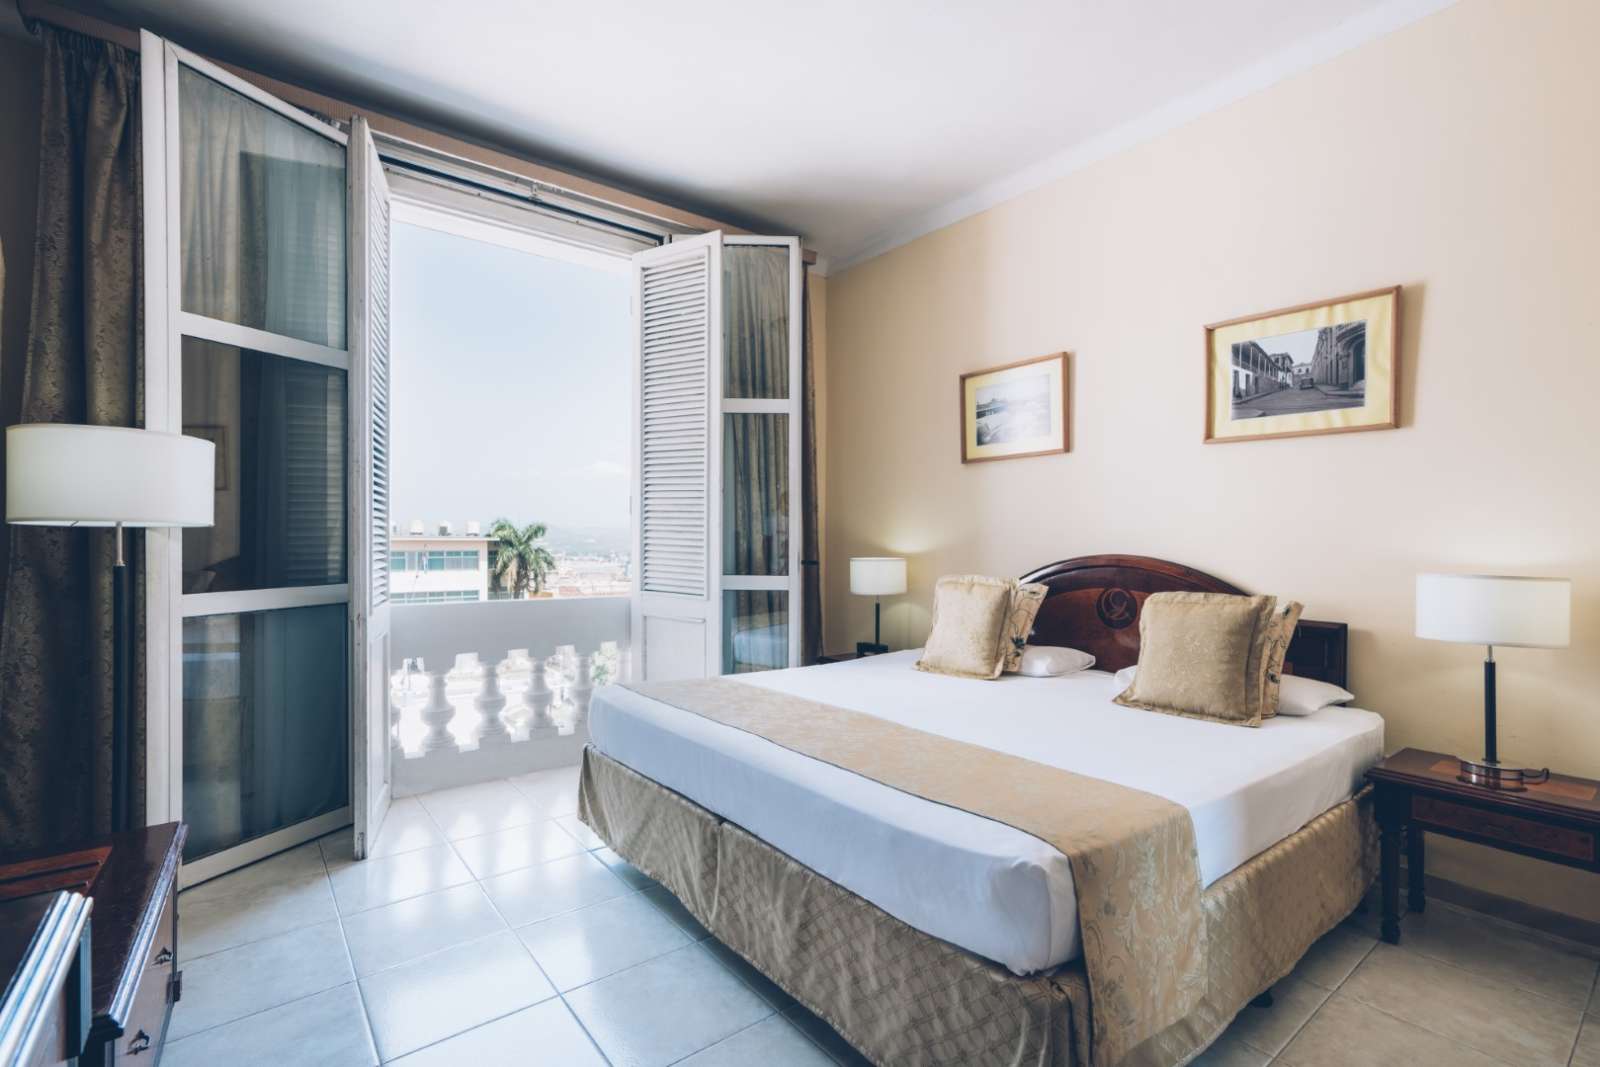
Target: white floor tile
586,837
406,828
545,1035
772,1042
661,1011
439,996
555,791
620,867
547,889
241,981
328,1029
520,846
385,937
580,946
215,922
673,909
297,864
373,883
474,810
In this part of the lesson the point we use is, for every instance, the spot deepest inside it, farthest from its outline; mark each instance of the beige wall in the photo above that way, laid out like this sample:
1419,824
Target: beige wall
20,64
1457,157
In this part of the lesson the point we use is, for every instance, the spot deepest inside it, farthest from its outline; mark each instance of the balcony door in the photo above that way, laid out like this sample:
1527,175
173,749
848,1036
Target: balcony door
717,469
248,344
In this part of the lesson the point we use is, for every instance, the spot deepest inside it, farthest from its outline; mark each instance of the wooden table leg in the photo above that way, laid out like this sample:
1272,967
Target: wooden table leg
1415,900
1389,830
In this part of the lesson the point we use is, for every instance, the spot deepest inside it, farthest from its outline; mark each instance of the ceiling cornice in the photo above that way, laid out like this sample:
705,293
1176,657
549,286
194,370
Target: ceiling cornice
1304,54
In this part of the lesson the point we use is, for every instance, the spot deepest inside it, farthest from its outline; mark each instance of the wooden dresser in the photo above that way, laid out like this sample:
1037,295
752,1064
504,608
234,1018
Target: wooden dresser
132,881
44,954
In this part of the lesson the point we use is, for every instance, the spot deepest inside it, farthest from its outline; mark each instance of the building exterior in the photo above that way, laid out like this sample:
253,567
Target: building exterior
1257,371
438,567
1340,361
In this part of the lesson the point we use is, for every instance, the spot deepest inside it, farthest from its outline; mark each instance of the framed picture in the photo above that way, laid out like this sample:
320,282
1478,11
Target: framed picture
1329,367
1019,409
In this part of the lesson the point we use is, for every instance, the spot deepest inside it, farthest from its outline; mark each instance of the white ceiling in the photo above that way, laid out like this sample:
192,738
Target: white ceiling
857,124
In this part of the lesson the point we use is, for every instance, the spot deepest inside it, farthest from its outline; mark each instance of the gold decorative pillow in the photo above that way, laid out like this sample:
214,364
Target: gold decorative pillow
1025,601
1284,623
971,614
1203,656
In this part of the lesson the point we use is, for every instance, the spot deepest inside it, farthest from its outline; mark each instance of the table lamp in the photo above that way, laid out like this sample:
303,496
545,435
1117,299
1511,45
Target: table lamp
61,474
877,577
1490,610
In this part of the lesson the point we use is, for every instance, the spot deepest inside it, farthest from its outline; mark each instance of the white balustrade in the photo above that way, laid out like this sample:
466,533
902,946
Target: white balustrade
437,715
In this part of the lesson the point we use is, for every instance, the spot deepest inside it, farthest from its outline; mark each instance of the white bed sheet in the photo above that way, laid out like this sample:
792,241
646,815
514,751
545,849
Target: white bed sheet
980,884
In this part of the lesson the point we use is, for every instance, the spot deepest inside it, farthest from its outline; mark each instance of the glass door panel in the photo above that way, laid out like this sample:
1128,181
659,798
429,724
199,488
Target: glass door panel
760,400
755,494
755,624
261,215
265,740
278,425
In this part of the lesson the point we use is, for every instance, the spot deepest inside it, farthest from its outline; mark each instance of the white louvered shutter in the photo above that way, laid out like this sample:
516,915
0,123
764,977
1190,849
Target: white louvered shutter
676,479
370,749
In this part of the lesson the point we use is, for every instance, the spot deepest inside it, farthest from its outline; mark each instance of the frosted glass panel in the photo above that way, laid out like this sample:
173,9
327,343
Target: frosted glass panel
755,322
279,430
261,216
755,494
265,728
755,631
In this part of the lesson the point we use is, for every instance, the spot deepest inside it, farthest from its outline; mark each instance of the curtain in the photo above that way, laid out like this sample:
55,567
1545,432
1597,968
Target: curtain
810,548
83,364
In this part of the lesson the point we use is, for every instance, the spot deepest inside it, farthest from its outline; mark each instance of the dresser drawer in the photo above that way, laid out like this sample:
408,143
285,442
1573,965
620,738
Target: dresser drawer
1564,843
147,1022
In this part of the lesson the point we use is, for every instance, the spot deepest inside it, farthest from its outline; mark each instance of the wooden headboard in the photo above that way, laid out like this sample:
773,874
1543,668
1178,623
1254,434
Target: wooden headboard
1094,603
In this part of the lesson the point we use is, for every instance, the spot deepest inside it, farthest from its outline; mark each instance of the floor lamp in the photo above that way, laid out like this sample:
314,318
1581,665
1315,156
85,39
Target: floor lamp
61,474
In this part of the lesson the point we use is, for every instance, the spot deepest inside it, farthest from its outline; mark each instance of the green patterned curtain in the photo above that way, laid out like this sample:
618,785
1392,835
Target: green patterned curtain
83,365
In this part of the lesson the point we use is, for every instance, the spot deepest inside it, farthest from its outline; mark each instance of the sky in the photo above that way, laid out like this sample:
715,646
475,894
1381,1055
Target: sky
1300,345
511,388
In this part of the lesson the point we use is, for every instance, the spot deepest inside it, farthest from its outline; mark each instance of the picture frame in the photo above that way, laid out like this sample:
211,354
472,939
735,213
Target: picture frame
1015,410
1332,366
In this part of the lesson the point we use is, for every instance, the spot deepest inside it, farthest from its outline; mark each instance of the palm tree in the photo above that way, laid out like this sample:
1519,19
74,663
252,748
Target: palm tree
521,559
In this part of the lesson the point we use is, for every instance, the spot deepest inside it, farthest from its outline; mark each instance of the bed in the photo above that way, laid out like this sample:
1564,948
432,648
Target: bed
927,934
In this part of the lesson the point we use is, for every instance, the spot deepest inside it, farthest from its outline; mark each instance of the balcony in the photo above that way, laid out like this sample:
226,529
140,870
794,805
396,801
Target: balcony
496,688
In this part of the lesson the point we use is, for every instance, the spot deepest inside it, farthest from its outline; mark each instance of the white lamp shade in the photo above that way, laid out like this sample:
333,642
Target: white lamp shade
1483,609
877,575
62,474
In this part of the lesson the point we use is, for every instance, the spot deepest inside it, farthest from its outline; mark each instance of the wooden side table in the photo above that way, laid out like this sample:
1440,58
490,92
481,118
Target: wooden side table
1417,792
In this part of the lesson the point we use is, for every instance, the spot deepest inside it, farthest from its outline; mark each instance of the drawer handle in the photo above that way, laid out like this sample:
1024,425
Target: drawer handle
140,1043
164,956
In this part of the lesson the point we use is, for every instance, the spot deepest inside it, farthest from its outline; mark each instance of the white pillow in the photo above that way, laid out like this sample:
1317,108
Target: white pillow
1307,696
1052,661
1297,696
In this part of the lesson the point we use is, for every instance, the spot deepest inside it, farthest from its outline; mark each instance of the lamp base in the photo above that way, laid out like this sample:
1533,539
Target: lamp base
1493,775
869,648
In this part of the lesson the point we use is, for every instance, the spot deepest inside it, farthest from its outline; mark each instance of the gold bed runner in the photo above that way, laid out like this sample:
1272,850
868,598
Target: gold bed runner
1134,864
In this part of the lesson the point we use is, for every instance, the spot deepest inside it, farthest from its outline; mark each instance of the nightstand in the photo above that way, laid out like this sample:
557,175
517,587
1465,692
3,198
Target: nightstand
840,657
1417,793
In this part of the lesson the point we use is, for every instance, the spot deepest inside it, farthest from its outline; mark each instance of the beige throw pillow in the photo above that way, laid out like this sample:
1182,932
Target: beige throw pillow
1284,622
971,614
1025,601
1203,656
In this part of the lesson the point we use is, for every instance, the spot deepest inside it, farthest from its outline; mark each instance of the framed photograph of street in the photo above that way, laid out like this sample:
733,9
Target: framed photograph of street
1015,410
1328,367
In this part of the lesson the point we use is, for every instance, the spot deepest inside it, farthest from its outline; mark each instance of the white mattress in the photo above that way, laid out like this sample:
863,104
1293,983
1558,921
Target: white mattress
985,886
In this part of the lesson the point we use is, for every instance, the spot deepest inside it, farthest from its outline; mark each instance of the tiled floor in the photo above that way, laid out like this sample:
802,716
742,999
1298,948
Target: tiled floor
491,927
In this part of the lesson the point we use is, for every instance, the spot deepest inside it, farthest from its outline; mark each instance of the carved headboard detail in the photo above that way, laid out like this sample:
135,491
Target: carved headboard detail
1094,604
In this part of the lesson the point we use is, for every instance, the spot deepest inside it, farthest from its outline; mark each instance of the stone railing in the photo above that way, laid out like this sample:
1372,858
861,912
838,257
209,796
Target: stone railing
469,705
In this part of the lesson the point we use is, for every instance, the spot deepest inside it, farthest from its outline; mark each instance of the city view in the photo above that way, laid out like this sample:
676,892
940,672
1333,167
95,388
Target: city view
510,456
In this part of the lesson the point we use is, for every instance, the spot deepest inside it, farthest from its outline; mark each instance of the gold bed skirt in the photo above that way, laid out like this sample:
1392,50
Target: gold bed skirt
902,997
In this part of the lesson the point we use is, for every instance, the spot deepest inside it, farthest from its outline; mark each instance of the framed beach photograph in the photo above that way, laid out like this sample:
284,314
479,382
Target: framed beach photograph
1015,410
1329,367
